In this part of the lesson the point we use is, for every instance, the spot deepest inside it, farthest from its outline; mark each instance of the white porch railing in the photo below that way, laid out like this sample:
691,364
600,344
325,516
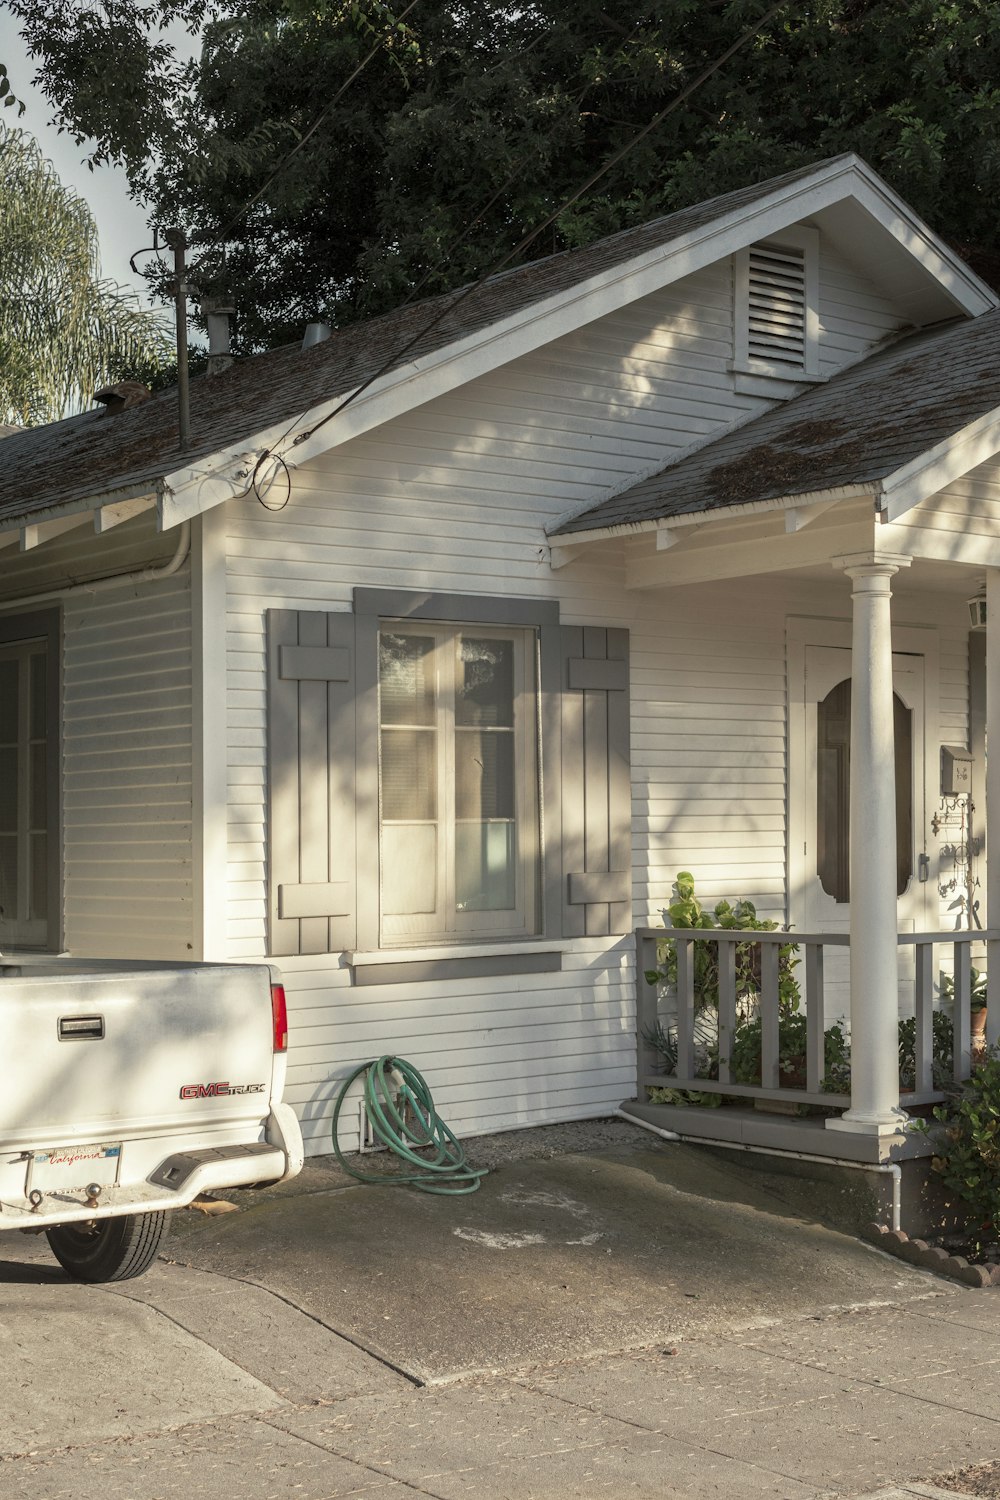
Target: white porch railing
680,1022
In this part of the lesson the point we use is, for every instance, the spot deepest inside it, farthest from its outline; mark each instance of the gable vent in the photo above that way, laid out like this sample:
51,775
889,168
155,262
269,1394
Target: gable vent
776,329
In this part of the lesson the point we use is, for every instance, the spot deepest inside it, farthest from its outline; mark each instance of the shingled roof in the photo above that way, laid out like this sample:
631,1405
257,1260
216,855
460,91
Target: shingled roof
857,429
97,454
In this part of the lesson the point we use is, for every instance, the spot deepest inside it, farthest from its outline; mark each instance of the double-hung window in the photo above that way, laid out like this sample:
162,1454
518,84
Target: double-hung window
458,781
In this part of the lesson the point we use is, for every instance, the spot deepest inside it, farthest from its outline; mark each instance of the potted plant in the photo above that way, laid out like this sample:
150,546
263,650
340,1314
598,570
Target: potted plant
977,1008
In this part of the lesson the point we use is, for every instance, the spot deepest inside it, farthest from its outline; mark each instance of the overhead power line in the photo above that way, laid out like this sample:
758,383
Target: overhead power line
528,239
303,140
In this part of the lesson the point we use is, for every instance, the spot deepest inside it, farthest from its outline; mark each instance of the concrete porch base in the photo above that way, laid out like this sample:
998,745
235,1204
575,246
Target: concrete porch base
844,1180
753,1127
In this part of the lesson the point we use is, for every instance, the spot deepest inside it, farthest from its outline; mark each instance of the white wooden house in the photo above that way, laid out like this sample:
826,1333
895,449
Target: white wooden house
449,640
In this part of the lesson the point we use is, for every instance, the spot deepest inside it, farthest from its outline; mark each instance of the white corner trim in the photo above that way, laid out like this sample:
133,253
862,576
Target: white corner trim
940,466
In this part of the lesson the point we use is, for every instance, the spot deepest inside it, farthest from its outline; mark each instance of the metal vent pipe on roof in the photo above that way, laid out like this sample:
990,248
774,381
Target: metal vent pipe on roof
316,333
217,313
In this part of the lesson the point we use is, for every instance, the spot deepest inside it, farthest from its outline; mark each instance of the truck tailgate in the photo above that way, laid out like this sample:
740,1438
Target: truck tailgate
133,1051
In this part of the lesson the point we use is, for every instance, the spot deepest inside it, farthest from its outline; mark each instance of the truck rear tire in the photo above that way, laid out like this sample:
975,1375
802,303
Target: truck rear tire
108,1249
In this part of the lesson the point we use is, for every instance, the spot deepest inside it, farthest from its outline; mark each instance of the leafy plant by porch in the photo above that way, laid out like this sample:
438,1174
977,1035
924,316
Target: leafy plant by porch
685,910
746,1047
969,1157
977,989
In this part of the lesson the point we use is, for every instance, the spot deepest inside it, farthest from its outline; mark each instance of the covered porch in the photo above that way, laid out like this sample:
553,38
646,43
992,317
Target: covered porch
871,487
884,970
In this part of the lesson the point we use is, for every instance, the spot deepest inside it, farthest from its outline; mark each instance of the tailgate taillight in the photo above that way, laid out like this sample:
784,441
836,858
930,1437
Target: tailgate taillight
279,1015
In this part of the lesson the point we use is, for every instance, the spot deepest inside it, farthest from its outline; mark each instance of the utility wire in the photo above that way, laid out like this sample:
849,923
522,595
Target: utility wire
528,239
225,232
416,289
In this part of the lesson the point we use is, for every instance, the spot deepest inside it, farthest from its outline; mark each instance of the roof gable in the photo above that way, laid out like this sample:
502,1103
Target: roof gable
288,400
874,428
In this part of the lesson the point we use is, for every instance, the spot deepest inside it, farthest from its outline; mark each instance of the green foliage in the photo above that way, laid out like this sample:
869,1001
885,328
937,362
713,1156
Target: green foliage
6,93
977,989
969,1157
685,1096
747,1052
476,120
63,330
943,1046
686,911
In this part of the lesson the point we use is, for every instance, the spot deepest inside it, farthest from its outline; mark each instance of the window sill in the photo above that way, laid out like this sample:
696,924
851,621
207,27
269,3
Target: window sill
474,961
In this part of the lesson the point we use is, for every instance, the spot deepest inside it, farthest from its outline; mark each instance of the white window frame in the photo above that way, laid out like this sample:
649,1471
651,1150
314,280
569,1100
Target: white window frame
798,237
446,923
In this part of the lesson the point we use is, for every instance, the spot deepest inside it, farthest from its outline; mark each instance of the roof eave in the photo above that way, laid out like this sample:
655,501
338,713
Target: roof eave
802,501
82,503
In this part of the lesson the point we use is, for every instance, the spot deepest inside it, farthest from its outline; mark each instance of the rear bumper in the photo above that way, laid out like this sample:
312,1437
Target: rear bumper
178,1179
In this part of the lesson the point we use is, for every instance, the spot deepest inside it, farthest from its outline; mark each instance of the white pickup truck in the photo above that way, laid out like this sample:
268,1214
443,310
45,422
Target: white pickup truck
128,1089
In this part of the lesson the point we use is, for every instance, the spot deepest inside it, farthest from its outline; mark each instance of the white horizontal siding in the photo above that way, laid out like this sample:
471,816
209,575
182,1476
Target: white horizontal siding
454,497
127,771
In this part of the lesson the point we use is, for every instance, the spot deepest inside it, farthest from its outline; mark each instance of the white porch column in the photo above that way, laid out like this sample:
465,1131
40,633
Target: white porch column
993,802
874,966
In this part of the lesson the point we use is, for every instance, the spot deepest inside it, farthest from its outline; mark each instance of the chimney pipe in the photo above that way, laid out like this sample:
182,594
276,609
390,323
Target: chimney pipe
217,312
316,333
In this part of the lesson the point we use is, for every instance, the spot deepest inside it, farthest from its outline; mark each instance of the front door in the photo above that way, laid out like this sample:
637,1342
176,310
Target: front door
820,815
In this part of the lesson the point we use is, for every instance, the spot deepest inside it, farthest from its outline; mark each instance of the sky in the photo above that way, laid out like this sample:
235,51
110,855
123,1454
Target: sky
121,224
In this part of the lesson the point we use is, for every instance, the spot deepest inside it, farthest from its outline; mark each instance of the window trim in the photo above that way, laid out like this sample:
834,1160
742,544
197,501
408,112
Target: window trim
371,607
447,923
799,237
46,625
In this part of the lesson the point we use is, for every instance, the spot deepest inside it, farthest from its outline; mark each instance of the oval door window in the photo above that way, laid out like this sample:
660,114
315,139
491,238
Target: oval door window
833,791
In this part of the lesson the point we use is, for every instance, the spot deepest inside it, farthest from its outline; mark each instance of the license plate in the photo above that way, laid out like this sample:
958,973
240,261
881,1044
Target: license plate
70,1167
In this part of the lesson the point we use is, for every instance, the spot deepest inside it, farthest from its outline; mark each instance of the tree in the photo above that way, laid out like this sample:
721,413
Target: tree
475,120
63,330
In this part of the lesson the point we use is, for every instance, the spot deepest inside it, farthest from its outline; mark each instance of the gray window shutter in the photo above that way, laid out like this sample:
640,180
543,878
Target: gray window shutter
596,782
312,901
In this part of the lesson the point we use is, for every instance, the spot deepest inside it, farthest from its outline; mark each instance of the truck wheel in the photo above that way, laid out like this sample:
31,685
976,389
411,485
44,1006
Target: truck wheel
108,1249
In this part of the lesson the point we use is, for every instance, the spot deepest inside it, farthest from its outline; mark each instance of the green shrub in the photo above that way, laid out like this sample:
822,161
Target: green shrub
969,1159
686,911
747,1050
942,1062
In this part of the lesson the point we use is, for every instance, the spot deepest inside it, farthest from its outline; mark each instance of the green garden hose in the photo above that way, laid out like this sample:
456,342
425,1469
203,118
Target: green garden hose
399,1105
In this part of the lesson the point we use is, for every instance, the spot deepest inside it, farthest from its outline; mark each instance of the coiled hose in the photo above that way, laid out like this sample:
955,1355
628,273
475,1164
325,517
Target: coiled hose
399,1105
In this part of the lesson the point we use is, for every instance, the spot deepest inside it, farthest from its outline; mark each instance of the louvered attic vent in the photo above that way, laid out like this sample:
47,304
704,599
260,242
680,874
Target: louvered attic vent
776,321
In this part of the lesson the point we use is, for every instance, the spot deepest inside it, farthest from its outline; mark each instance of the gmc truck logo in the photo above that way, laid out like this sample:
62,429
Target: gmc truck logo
219,1090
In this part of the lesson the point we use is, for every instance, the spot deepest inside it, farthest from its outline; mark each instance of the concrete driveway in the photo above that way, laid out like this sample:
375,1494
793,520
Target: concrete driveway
604,1320
560,1256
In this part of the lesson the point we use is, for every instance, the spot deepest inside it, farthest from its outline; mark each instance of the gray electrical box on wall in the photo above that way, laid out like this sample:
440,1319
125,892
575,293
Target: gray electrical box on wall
956,770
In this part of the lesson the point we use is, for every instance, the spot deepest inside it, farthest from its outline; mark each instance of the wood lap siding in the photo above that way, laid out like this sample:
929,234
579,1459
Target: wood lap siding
452,498
127,785
497,1053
